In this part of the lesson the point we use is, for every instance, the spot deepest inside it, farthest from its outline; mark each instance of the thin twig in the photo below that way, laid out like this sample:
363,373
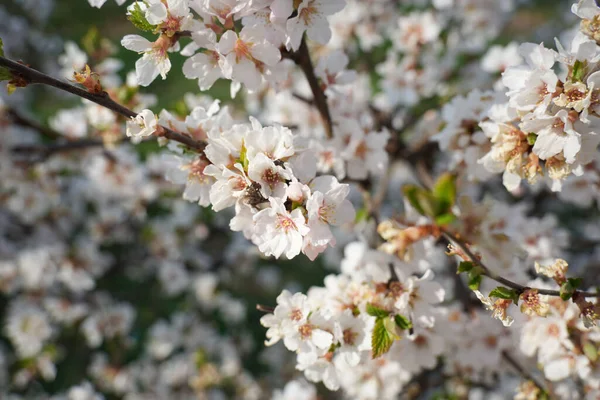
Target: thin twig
32,76
18,119
487,272
47,150
302,58
523,372
265,309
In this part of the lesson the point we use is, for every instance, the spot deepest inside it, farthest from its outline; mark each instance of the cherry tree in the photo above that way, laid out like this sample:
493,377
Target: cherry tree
392,200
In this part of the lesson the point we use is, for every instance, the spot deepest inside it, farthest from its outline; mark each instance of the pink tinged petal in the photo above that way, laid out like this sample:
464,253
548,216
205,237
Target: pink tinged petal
548,145
572,147
245,72
178,8
344,213
227,42
557,370
319,233
282,9
205,39
585,9
319,31
295,28
266,53
330,7
146,70
176,175
97,3
322,339
164,66
511,180
352,358
295,245
156,13
136,43
226,64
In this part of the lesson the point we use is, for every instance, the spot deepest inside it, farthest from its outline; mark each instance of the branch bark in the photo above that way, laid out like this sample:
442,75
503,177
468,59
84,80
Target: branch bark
32,76
302,58
487,272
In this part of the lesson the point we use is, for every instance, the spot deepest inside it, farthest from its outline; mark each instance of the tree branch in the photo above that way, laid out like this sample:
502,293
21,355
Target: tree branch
523,372
302,58
19,119
47,150
487,272
32,76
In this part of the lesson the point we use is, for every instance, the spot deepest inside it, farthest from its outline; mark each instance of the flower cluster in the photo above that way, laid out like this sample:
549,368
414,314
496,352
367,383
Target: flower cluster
340,331
218,48
141,250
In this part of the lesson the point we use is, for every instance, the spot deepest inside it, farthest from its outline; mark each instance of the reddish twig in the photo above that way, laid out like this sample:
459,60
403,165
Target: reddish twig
32,76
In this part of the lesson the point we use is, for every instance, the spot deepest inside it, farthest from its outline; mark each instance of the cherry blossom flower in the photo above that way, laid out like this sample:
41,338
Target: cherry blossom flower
312,19
143,125
278,231
247,55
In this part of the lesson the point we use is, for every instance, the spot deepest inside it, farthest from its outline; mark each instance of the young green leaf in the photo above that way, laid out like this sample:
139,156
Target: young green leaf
502,292
474,279
464,266
445,219
138,19
381,339
402,322
410,192
578,70
566,291
375,311
444,192
590,351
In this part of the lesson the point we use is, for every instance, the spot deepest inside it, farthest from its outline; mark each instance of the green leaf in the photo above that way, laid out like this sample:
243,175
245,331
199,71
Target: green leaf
566,290
590,351
474,279
543,396
5,74
244,157
464,266
502,292
381,339
375,311
575,282
531,138
445,219
200,358
402,322
410,192
361,215
138,19
578,71
444,192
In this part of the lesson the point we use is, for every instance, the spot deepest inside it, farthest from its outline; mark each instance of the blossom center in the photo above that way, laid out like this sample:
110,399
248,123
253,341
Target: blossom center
285,223
349,336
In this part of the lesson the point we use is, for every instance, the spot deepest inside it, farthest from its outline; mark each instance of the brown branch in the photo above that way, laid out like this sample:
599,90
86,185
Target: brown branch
302,58
487,272
19,119
523,372
32,76
45,151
